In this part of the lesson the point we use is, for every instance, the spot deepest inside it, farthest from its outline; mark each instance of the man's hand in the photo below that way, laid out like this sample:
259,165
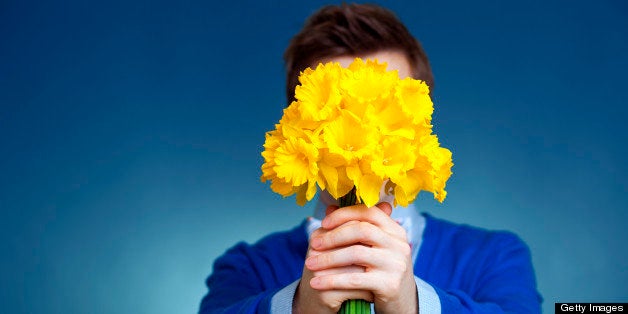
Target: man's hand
310,300
358,253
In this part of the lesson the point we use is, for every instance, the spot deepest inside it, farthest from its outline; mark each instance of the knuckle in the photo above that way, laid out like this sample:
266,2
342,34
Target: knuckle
358,253
327,281
400,233
405,249
393,287
325,259
355,280
328,300
332,238
400,266
365,230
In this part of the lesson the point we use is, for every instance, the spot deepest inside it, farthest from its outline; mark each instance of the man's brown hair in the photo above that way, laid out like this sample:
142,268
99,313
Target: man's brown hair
352,30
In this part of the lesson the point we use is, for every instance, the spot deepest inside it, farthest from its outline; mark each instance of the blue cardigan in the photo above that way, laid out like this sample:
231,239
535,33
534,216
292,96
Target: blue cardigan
471,270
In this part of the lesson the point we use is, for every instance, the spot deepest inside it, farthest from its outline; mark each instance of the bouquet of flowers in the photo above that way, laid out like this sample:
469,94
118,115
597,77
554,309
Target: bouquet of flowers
361,127
351,131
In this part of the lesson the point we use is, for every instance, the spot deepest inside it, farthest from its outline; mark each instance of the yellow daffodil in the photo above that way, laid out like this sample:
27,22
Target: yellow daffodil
368,81
361,127
441,163
292,120
319,92
273,140
415,101
390,119
296,161
348,137
333,175
395,157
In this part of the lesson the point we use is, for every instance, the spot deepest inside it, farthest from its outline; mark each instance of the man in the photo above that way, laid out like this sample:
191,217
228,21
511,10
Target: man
400,261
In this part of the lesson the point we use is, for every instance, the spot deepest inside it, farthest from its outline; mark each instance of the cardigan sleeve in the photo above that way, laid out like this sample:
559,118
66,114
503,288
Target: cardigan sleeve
247,277
233,287
504,282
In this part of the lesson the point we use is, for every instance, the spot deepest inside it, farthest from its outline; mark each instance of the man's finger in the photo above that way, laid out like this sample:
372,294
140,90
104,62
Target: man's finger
385,207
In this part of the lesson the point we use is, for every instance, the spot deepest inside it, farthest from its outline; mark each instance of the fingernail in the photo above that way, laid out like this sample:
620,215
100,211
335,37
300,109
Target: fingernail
325,222
311,261
316,242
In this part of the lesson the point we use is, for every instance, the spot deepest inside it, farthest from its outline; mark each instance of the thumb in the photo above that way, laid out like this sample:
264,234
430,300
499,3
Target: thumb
385,207
330,209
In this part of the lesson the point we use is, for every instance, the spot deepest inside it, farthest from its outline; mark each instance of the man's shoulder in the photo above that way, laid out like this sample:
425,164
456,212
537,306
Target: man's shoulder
276,259
290,243
465,237
295,238
457,256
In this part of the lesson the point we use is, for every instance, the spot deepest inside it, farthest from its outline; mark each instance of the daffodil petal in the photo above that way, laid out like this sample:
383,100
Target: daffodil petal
369,188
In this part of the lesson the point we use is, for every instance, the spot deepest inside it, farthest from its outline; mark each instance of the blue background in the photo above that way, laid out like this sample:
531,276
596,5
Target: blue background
130,136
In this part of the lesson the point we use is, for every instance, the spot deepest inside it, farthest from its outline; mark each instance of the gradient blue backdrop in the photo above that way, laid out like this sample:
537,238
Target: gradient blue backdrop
130,136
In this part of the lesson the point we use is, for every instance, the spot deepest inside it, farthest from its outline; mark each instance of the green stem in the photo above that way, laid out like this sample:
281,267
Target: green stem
349,199
353,306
